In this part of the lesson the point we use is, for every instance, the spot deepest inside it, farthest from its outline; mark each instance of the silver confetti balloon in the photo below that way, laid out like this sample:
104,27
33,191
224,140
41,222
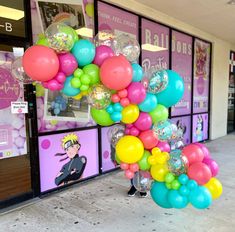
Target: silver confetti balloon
142,181
115,133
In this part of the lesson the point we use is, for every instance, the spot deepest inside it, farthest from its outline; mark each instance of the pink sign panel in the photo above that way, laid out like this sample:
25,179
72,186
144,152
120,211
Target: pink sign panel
68,157
201,76
116,20
158,36
182,64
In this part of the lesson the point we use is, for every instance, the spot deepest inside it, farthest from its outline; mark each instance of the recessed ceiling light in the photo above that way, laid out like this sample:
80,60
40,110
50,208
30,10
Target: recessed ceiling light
11,13
152,48
231,2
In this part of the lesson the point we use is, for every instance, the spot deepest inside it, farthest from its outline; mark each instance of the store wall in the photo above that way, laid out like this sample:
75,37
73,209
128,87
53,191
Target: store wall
220,63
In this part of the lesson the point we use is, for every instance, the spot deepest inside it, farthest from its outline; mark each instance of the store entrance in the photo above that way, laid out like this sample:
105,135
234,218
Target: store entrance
231,101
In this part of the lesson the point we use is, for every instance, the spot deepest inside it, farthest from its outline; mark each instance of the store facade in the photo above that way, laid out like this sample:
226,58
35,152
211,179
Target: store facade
46,133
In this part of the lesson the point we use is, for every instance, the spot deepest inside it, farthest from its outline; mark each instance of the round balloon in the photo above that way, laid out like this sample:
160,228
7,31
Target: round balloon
193,153
129,149
143,163
159,171
102,53
163,130
174,90
137,72
115,133
149,139
94,72
68,63
68,90
130,114
160,113
144,121
177,200
142,181
136,92
215,187
116,72
101,117
149,103
40,63
105,37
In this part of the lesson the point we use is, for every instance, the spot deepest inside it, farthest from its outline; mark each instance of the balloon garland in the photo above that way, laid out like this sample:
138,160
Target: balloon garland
119,92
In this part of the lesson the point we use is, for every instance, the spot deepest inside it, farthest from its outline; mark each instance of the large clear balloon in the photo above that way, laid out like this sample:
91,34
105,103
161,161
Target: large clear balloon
105,37
127,46
156,81
115,133
142,181
18,73
99,97
60,37
163,130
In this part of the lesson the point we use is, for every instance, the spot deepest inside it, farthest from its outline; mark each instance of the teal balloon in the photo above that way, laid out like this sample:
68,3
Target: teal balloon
192,184
116,116
137,72
149,103
174,90
183,179
117,107
159,193
84,52
177,200
184,191
68,89
200,197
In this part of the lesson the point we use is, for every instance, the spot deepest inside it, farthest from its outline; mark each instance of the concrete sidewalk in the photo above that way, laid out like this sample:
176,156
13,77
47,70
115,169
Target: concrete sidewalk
102,205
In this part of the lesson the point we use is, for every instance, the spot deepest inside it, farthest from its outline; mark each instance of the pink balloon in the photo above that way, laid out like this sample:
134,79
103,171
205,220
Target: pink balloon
40,63
129,125
144,121
204,150
102,53
60,77
214,167
124,166
136,92
122,93
193,153
116,72
164,146
134,131
129,174
127,131
68,63
45,84
149,139
115,98
124,102
53,85
134,167
199,172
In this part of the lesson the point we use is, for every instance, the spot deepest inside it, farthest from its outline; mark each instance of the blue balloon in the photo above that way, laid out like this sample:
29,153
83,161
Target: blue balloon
116,116
177,200
56,111
184,191
109,109
183,179
159,194
84,52
68,89
174,90
63,106
137,72
200,197
149,103
117,107
192,184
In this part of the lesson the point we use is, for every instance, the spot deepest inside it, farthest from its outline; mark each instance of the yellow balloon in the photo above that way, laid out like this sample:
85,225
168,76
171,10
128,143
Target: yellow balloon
161,158
215,187
130,114
90,10
159,172
53,122
129,149
156,151
152,160
78,97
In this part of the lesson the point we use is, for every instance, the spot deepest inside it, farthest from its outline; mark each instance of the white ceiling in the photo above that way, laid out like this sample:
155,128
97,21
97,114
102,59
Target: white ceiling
212,16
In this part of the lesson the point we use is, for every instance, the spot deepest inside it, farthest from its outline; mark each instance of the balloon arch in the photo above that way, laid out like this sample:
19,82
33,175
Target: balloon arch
107,73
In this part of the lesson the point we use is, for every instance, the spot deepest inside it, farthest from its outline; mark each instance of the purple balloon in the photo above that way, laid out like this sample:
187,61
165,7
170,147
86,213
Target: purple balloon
212,165
164,146
68,63
134,131
102,53
136,92
204,150
144,121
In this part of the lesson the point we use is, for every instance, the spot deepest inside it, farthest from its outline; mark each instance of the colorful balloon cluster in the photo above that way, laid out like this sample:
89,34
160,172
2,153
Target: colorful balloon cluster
118,91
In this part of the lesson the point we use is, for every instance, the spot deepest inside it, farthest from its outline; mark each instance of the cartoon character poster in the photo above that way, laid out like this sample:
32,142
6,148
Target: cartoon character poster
68,157
200,127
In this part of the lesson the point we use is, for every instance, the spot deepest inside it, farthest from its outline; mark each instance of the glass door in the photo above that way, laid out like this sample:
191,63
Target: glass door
231,99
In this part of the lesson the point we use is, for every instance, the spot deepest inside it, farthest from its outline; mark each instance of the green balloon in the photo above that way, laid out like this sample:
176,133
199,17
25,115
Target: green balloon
101,117
40,91
169,177
168,185
70,31
160,113
84,87
117,159
85,79
78,72
75,82
143,163
94,72
43,41
175,184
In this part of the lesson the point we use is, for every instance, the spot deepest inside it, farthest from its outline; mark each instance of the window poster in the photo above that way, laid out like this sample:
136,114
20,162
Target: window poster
200,127
201,76
183,124
116,20
108,152
12,126
182,64
155,46
68,157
